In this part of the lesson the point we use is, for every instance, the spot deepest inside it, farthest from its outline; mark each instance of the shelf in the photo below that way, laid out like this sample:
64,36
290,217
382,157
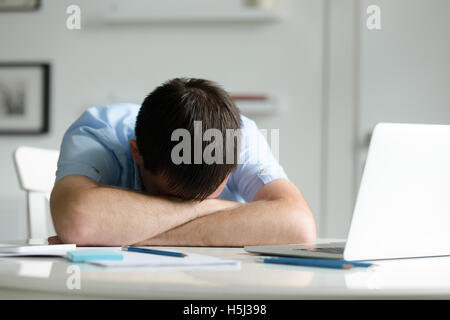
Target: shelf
191,17
255,105
190,12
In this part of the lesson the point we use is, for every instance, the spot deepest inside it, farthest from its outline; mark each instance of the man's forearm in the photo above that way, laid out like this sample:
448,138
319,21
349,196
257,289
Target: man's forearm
111,216
259,222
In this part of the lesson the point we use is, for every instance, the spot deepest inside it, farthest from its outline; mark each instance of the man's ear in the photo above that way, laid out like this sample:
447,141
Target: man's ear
136,153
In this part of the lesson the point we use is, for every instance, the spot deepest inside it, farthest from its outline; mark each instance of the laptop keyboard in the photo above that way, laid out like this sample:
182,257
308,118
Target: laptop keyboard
336,250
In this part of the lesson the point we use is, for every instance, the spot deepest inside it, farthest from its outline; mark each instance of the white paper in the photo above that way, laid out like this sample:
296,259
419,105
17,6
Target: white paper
50,251
137,259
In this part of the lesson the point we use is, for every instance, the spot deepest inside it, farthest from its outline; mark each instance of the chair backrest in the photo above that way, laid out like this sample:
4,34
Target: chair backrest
36,169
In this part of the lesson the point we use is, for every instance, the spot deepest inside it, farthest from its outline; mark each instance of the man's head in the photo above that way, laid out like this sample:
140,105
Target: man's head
177,104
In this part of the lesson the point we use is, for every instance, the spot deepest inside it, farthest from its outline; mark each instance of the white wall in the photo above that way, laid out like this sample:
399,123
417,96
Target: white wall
397,74
100,64
405,69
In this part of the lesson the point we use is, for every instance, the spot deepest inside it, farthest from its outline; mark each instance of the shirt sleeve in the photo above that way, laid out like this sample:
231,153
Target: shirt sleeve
84,152
257,165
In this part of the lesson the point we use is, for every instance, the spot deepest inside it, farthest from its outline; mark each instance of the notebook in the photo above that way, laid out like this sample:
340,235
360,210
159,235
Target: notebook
33,247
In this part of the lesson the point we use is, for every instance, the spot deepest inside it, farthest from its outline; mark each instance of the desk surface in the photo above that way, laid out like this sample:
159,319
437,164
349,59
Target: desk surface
405,278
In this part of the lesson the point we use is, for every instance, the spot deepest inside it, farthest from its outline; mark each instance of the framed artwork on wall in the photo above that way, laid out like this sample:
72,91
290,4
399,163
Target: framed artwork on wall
19,5
24,98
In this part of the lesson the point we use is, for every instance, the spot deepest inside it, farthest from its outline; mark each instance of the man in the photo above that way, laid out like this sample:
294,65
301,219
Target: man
124,179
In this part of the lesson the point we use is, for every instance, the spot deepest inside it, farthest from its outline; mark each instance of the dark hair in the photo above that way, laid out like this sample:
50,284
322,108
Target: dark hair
176,104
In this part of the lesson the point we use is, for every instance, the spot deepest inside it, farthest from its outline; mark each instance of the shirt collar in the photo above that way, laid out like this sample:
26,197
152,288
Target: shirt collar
137,178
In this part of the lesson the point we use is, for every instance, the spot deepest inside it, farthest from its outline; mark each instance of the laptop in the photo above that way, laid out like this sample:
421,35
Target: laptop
403,204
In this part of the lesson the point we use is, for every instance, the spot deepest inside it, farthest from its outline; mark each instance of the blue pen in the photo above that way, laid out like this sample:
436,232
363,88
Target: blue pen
321,263
153,251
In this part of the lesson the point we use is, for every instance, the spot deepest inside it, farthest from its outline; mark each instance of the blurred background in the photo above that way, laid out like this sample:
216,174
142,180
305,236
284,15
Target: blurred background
314,68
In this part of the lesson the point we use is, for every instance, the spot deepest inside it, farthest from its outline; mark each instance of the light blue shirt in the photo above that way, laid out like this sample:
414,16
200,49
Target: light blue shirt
97,146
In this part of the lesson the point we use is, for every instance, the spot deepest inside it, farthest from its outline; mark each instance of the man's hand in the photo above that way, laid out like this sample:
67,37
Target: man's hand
278,215
54,240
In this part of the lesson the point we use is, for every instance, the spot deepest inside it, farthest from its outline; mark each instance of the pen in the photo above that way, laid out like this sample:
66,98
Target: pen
153,251
321,263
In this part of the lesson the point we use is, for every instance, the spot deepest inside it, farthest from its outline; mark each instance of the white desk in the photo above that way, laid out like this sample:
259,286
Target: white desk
406,278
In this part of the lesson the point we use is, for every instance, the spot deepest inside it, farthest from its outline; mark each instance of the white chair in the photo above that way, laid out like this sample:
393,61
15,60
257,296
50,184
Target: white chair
36,171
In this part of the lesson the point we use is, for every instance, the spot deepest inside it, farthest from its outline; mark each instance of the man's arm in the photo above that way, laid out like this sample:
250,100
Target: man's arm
278,215
87,213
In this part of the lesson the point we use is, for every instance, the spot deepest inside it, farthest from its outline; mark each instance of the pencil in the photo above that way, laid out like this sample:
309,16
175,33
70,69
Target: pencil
321,263
154,251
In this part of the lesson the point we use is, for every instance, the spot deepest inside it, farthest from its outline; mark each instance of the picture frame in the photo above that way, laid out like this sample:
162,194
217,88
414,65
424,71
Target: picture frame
19,5
24,98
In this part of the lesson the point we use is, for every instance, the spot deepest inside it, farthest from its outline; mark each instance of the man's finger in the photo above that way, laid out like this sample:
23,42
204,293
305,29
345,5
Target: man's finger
54,240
